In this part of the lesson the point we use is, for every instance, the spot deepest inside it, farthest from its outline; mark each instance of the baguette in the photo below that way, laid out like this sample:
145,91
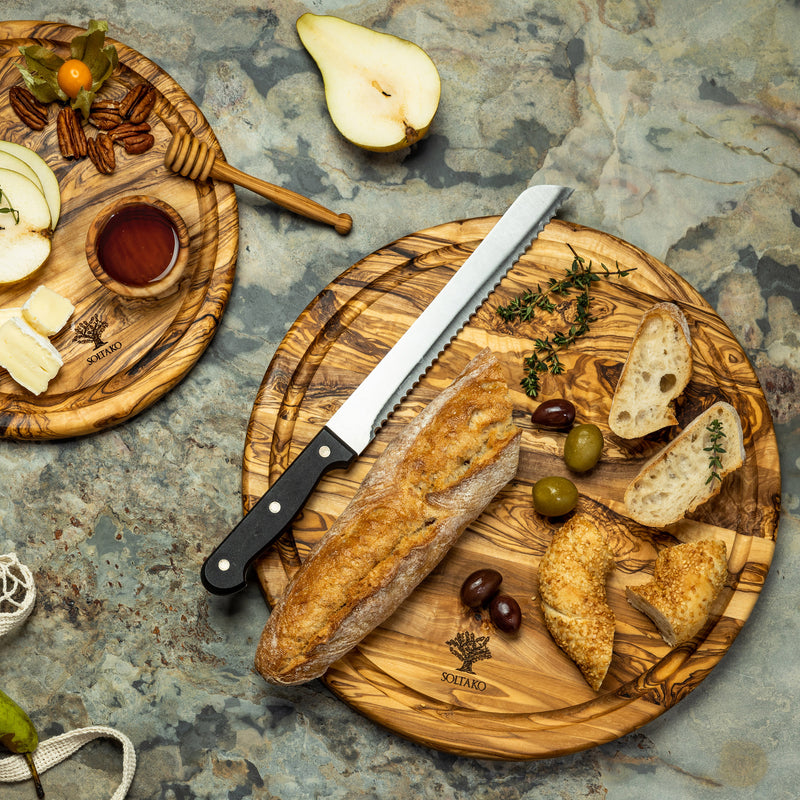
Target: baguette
686,581
675,481
572,593
430,483
656,371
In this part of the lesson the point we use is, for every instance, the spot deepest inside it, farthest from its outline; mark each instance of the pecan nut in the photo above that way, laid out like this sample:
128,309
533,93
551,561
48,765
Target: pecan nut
101,153
71,136
141,143
127,130
105,114
28,108
138,103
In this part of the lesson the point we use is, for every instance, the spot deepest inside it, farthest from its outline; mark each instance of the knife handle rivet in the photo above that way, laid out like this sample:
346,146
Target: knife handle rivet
223,565
274,507
324,451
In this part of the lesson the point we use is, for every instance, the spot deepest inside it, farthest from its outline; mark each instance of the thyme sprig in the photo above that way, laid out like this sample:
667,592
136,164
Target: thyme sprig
7,208
545,354
545,357
715,449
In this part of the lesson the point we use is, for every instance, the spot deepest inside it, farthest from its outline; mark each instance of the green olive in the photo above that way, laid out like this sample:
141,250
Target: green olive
554,496
582,447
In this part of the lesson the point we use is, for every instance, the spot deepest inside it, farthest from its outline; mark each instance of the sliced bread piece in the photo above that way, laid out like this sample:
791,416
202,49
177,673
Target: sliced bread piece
656,371
677,479
686,581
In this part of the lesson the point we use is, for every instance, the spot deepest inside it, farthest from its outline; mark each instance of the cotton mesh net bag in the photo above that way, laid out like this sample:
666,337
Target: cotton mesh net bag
17,593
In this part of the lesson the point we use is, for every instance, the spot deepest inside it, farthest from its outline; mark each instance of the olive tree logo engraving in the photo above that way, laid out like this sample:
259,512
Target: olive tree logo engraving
91,330
469,649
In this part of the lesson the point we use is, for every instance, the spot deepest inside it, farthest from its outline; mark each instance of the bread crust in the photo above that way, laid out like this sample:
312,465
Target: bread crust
657,369
572,594
687,578
674,482
428,485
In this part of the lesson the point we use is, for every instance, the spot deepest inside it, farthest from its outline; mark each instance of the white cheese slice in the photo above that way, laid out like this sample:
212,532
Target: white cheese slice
47,311
29,357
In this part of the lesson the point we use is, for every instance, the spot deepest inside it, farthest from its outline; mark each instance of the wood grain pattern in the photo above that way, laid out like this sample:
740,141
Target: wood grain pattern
147,345
528,700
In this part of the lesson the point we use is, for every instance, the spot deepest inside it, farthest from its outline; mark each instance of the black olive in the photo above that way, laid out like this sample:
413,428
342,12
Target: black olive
480,586
557,414
505,613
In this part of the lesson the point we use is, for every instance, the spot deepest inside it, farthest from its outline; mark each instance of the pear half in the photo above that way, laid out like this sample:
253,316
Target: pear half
24,234
382,91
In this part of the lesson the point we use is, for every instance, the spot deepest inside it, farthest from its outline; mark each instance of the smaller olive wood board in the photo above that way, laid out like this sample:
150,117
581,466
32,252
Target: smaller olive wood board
520,697
120,355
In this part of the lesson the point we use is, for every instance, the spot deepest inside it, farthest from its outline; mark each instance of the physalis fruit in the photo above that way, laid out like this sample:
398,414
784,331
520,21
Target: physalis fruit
42,66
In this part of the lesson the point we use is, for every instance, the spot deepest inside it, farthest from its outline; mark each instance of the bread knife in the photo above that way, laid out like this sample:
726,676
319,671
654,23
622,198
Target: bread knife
357,420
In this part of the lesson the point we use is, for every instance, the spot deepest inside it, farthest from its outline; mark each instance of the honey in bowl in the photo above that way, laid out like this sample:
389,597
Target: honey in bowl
138,247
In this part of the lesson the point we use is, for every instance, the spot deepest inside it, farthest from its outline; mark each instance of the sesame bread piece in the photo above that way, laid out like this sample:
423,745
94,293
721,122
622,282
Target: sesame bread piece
687,579
572,593
656,371
428,485
675,481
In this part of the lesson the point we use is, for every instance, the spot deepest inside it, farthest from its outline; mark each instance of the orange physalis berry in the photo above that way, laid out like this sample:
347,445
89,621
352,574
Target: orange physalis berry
72,75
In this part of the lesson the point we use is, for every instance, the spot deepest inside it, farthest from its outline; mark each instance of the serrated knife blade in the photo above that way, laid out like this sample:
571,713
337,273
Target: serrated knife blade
351,428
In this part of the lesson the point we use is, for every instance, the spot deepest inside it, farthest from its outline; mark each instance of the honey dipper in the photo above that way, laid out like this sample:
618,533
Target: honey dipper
193,159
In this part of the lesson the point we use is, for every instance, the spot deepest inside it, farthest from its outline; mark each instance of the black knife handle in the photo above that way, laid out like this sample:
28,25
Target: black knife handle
224,571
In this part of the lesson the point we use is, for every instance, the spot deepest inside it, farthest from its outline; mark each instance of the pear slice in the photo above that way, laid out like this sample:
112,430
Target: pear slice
25,233
46,176
8,161
382,91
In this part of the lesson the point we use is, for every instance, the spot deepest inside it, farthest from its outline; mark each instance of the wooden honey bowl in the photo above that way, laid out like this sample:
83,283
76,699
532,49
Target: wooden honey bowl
138,247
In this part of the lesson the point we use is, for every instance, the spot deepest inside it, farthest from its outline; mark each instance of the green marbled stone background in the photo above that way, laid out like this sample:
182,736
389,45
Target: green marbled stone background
677,123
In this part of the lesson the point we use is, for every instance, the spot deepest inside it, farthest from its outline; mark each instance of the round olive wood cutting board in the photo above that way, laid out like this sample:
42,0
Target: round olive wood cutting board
435,672
131,352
